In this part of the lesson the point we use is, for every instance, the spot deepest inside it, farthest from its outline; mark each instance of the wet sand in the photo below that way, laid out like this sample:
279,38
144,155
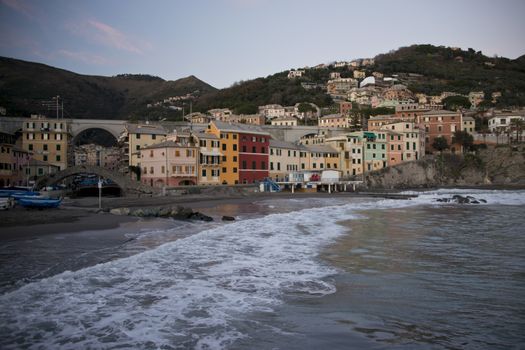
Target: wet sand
78,215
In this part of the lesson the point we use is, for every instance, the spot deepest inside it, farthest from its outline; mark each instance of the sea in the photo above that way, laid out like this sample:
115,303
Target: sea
305,273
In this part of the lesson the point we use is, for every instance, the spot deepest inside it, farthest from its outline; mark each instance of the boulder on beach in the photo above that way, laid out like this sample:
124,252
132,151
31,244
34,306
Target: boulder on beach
120,211
461,200
228,218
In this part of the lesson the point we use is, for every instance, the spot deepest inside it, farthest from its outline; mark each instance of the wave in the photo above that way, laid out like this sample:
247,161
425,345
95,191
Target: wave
196,291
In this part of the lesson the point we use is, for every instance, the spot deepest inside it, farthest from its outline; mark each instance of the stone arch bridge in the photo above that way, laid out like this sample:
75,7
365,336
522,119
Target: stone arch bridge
127,185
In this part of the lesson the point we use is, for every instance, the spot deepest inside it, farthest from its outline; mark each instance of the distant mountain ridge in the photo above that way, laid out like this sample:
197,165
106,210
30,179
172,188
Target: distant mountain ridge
24,85
437,68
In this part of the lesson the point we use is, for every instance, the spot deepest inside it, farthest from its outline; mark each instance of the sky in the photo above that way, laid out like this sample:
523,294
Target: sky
225,41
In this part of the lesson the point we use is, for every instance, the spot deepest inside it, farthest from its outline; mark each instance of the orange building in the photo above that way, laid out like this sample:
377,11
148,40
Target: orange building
440,123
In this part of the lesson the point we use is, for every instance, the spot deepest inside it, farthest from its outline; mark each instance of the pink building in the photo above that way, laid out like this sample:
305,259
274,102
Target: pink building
395,149
169,164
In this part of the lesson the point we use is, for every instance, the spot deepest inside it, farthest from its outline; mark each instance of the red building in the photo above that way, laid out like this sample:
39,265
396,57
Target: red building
253,157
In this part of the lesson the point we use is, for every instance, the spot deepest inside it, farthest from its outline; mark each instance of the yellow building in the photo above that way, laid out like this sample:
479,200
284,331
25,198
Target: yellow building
47,139
469,124
322,157
138,136
229,143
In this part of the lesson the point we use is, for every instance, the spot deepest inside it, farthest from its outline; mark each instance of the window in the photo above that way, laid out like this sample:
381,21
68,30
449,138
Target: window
224,169
254,165
137,147
30,147
203,174
151,170
162,169
244,164
235,136
254,150
263,150
235,170
224,147
58,147
153,137
45,158
235,158
58,158
224,158
235,147
137,136
40,171
45,147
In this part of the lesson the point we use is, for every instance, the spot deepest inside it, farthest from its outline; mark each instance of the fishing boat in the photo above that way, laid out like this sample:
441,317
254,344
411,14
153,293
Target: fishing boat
39,203
27,195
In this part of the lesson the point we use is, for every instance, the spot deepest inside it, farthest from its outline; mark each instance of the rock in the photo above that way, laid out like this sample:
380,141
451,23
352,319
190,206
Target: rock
137,212
164,211
120,211
482,200
474,202
201,216
228,218
181,213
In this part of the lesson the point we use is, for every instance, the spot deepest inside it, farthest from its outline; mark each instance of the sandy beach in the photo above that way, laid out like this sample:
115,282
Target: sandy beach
81,214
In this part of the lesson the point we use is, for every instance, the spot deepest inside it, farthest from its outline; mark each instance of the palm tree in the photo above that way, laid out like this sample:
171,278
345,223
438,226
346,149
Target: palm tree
497,132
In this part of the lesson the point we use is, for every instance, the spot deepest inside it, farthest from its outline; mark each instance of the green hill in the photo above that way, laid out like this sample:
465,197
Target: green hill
423,68
24,85
462,71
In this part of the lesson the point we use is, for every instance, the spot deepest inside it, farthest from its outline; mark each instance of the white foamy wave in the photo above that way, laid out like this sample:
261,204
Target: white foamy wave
188,293
499,197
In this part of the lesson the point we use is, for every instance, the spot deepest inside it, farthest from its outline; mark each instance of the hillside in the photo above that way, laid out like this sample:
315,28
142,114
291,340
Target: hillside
423,68
24,85
462,71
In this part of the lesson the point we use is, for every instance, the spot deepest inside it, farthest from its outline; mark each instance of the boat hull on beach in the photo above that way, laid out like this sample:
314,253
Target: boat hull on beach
39,203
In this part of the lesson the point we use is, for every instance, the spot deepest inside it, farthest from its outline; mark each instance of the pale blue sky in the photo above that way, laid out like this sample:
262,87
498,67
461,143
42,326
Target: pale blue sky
224,41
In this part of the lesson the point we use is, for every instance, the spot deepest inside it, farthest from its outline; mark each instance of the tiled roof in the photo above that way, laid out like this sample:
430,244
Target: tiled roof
150,129
205,136
283,144
321,149
165,144
240,128
440,112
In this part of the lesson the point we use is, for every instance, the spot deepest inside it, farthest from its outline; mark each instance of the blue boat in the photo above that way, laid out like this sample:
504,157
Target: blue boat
39,203
9,192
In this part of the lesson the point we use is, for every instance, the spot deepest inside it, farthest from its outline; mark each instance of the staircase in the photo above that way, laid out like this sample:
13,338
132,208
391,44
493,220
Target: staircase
271,186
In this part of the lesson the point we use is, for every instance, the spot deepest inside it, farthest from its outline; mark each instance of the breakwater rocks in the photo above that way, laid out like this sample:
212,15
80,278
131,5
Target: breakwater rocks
461,200
176,212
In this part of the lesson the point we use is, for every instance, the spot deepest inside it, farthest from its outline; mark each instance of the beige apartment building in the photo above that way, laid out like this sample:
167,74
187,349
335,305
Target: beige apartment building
209,168
285,158
138,136
334,121
47,139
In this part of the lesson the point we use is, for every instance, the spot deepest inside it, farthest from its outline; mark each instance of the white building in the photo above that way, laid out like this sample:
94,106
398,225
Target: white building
503,121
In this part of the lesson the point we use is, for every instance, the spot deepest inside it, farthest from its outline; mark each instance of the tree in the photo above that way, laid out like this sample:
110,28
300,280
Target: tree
463,138
306,107
440,144
453,103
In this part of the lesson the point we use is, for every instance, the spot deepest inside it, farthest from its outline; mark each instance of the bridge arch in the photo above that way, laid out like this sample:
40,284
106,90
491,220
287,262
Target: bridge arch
101,130
126,184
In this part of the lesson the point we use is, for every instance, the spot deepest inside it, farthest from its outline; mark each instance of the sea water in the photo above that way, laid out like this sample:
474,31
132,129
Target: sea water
339,274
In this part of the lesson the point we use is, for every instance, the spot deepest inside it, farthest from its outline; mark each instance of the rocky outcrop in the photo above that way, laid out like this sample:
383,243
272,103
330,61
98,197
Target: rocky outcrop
176,212
493,166
461,200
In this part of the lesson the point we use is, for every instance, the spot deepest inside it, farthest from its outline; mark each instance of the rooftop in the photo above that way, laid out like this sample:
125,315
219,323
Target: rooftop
239,128
283,144
165,144
150,129
440,112
321,149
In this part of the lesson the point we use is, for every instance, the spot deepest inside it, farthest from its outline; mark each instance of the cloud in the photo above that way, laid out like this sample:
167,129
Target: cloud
19,6
84,57
109,36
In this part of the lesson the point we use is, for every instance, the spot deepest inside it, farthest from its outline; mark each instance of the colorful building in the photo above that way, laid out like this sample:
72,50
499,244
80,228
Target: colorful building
13,159
138,136
245,152
209,159
322,157
285,158
440,123
169,163
374,150
47,139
